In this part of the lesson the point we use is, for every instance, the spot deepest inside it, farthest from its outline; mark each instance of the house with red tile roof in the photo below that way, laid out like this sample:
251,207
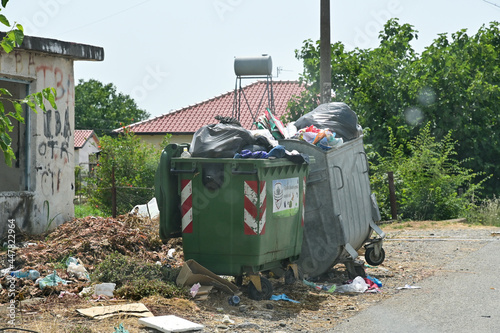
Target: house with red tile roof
252,100
86,144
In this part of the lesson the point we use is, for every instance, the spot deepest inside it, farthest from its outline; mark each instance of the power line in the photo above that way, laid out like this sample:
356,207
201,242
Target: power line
106,17
492,3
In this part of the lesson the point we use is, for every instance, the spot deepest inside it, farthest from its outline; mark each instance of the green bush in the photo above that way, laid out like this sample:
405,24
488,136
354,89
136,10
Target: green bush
136,279
426,177
119,269
142,287
486,213
133,164
87,209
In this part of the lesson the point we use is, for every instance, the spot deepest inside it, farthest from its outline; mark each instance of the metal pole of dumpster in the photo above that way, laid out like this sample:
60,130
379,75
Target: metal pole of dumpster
325,59
392,195
113,192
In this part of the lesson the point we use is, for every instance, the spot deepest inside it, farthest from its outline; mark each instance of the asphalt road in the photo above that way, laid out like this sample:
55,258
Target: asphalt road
464,296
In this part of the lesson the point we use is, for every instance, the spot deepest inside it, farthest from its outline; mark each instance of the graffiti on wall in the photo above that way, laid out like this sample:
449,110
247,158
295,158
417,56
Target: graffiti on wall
56,143
63,83
54,151
54,148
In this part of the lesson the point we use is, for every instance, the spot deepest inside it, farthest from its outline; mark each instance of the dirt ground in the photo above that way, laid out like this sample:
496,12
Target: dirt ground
414,251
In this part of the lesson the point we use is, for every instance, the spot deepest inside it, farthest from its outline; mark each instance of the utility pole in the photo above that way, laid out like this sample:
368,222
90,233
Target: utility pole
325,59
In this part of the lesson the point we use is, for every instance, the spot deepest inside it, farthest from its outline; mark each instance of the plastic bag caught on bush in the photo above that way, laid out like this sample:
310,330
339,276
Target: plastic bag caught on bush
220,141
336,116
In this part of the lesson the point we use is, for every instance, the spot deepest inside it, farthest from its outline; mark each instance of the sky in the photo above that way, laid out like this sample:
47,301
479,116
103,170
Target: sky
167,54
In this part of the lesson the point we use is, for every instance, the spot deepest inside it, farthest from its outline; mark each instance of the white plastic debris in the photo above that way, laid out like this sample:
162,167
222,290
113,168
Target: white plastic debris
87,291
407,286
358,285
194,289
148,210
105,289
78,270
170,323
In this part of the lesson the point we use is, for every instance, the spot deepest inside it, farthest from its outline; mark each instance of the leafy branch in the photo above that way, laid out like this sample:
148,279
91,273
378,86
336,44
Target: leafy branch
12,39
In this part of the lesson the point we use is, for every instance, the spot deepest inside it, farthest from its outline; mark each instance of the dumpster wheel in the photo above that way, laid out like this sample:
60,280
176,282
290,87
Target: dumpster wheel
265,294
373,259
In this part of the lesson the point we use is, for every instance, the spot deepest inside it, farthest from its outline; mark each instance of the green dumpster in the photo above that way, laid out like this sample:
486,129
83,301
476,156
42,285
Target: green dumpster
237,216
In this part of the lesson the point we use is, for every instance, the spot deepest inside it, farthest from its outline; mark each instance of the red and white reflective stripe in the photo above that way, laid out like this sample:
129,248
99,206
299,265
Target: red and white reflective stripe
303,199
255,207
187,205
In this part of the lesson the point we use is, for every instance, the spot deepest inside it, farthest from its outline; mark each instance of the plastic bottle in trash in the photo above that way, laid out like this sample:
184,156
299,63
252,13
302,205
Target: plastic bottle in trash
234,300
185,153
31,274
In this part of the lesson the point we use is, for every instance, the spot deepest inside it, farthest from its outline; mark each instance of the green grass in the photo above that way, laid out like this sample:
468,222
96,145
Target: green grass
136,279
487,213
87,209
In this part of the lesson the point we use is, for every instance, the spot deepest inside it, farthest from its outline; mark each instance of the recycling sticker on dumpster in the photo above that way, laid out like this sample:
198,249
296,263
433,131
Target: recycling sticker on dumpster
286,196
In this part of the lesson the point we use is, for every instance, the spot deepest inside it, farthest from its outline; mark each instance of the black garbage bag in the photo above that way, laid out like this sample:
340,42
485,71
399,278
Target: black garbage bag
220,141
336,116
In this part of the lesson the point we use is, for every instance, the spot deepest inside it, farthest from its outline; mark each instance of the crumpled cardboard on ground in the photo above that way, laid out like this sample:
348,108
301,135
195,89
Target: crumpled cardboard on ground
101,312
192,272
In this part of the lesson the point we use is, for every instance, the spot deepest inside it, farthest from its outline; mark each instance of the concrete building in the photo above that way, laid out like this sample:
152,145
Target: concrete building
37,191
86,145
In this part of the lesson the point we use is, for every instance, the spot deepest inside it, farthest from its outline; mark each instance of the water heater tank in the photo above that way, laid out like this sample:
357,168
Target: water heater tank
247,66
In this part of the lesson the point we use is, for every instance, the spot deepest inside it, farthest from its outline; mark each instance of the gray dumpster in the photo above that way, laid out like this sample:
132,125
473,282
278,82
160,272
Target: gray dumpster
341,211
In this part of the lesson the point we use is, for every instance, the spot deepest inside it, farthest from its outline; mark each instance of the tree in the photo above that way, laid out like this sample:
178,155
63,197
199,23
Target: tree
101,108
453,85
132,163
11,40
427,178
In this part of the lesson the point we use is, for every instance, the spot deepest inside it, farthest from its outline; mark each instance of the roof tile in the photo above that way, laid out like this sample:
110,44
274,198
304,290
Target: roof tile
81,136
191,118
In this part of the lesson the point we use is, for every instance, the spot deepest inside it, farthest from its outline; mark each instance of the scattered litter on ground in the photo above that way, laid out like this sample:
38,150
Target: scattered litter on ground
407,286
51,280
170,323
283,297
234,300
358,285
77,269
192,272
149,210
328,288
374,280
194,289
101,312
105,289
64,293
93,239
120,329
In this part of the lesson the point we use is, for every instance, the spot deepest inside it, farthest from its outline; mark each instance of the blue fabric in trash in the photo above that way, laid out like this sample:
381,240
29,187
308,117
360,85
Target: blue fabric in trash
375,280
246,153
282,297
250,154
277,152
259,154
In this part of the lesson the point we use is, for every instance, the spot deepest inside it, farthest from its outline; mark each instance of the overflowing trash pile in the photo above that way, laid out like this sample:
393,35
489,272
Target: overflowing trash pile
327,126
64,258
